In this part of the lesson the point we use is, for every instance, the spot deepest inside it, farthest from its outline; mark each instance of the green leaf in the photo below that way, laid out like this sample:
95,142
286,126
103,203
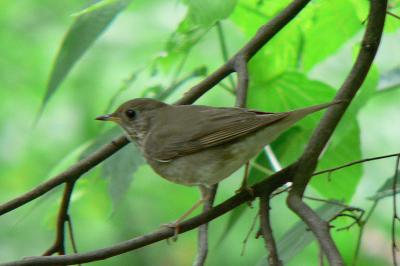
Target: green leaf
344,147
294,90
386,190
326,33
201,16
298,237
205,13
282,52
86,28
234,217
390,79
119,169
256,174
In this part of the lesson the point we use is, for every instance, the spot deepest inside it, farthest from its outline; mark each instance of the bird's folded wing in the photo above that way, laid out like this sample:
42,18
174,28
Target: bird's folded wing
207,129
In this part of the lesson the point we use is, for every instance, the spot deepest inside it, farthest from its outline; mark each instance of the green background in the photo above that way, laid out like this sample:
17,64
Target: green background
139,55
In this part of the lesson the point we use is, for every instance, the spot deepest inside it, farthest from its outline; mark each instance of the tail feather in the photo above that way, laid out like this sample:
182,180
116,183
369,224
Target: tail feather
300,113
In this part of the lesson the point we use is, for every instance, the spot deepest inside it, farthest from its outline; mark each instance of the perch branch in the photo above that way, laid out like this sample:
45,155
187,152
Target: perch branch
266,186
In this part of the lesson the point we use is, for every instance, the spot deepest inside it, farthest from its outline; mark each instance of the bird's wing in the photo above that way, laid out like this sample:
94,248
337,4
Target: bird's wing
203,128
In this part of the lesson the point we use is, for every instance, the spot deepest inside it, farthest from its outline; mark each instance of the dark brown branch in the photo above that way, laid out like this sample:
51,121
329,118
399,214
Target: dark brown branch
266,231
71,174
202,249
71,234
323,132
393,14
360,234
266,186
395,215
59,243
265,33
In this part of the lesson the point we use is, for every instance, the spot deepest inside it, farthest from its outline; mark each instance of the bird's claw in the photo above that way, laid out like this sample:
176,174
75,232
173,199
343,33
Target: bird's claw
250,191
175,226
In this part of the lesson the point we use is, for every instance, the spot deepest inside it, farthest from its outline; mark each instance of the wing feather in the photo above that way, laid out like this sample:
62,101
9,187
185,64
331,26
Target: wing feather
205,128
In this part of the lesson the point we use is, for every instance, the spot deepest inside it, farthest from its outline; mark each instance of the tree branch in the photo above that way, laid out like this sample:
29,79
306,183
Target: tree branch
266,186
73,173
395,216
266,231
322,133
59,245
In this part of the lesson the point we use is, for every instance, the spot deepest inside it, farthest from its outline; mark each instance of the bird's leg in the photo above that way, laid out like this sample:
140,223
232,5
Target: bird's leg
244,186
175,224
208,195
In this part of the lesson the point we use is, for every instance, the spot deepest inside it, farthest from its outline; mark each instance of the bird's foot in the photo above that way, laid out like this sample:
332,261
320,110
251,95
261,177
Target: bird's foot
175,226
250,191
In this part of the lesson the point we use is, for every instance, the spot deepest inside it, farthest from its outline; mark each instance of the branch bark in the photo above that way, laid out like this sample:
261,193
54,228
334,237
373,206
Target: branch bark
266,186
323,132
266,232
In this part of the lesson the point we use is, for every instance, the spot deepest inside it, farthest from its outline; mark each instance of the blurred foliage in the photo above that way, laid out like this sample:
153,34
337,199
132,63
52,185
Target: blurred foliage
160,49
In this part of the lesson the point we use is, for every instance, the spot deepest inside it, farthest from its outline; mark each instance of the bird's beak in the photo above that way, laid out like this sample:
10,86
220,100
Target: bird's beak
109,117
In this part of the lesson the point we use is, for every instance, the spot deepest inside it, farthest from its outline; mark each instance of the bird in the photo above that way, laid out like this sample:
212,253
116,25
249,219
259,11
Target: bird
198,145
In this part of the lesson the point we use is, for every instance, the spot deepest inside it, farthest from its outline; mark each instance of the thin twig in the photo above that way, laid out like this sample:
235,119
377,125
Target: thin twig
59,243
395,216
224,49
73,173
392,14
71,234
202,249
361,232
244,242
354,163
266,230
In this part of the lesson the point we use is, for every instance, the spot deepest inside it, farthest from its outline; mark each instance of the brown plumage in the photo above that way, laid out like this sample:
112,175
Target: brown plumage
200,145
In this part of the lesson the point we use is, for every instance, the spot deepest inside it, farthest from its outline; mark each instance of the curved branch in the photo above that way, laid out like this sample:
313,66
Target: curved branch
323,132
264,187
73,173
59,245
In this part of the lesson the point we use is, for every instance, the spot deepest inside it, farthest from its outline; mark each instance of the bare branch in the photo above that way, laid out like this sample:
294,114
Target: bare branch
266,186
323,132
354,163
202,242
395,215
73,173
59,243
266,231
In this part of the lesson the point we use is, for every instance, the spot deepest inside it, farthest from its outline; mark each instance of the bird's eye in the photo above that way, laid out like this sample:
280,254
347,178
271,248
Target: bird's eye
130,113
